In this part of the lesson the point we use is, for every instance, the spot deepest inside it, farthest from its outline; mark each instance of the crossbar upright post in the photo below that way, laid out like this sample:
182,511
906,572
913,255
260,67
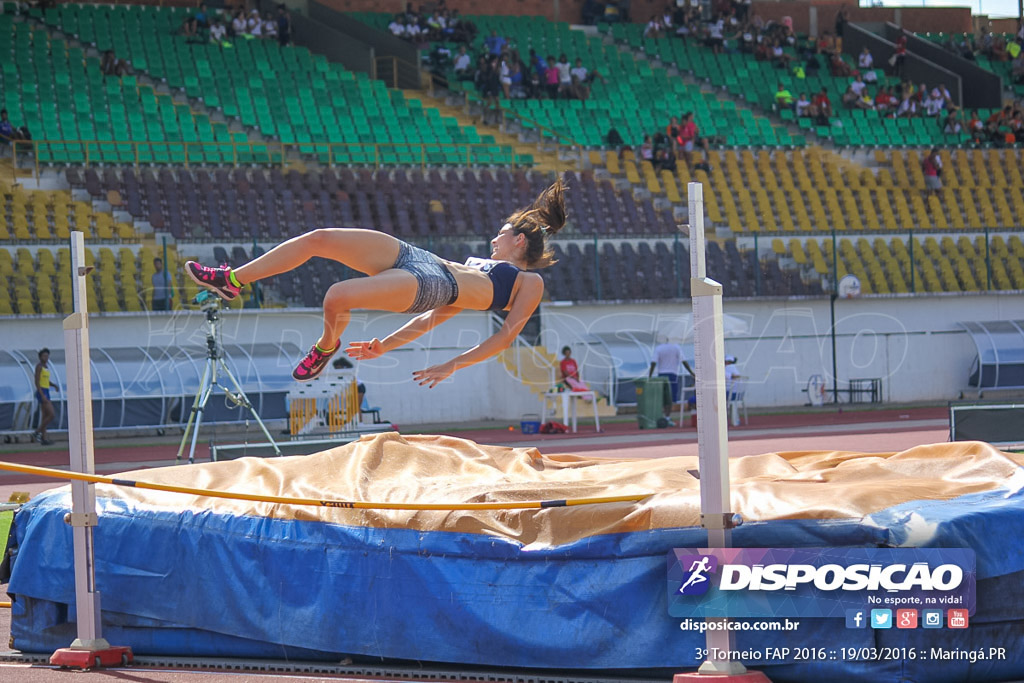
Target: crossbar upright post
89,649
712,440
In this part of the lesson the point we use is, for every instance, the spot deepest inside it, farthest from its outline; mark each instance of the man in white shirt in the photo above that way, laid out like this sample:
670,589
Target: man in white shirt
933,103
668,358
462,62
397,28
858,86
732,378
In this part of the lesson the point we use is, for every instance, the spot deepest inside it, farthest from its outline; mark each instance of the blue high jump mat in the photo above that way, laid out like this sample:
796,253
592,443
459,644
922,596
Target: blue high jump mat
569,588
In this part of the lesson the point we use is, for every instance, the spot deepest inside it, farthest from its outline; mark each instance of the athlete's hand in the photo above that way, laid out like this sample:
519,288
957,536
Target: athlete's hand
365,350
433,376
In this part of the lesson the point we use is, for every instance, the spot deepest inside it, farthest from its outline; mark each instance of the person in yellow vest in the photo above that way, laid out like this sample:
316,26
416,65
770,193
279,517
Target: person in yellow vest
783,98
43,397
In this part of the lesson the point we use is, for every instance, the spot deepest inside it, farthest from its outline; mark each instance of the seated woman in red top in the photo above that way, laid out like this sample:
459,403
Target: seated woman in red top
570,371
404,278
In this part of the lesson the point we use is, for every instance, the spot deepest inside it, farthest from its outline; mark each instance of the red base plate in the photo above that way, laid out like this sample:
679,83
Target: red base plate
749,677
91,659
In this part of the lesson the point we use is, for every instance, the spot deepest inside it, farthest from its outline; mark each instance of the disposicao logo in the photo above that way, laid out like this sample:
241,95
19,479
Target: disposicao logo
698,569
818,582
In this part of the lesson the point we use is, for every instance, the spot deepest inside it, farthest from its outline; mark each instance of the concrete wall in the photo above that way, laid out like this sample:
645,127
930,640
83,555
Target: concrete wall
484,391
912,343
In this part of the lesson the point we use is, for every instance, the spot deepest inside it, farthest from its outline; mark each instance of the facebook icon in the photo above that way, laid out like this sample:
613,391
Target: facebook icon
856,618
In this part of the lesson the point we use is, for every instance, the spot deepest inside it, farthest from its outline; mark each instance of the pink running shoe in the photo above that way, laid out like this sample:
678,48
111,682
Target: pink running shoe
314,363
216,280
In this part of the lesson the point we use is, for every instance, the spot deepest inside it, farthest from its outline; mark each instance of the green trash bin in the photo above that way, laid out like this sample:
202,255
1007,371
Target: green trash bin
651,394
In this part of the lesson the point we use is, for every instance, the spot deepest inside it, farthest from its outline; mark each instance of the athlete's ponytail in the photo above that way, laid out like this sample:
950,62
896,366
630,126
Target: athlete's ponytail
543,218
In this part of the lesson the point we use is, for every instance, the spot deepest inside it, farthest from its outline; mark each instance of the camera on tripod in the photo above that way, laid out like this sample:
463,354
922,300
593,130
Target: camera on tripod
208,302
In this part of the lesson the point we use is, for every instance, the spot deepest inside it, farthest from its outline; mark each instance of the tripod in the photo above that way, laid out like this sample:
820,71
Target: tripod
209,381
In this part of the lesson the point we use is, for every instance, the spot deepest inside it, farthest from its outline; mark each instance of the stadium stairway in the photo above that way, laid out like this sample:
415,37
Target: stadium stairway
534,372
543,160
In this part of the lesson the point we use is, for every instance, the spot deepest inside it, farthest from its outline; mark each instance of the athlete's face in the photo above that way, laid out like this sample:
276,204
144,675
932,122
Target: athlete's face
504,245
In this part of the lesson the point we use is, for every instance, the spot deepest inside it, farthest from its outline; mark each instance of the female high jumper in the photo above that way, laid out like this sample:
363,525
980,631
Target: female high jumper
404,278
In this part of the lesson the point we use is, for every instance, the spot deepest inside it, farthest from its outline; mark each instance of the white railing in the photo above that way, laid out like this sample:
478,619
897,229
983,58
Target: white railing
520,347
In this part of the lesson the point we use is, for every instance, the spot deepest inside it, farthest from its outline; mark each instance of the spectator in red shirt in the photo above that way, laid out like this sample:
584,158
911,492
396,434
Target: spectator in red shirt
899,56
686,140
822,107
883,100
570,371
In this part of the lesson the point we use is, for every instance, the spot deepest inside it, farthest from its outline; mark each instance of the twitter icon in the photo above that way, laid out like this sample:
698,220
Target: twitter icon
881,618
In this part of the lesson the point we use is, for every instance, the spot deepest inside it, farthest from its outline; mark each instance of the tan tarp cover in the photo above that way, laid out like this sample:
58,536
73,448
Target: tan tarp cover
429,469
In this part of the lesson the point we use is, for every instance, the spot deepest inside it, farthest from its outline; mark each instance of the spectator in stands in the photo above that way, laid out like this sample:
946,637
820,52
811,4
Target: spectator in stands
590,12
803,105
491,86
747,39
564,76
858,86
237,24
7,130
931,166
202,18
783,98
188,27
646,151
665,159
985,41
952,125
716,35
397,26
841,21
838,67
1017,68
704,164
270,28
582,78
907,108
162,292
517,86
284,25
933,103
462,63
110,65
654,28
218,31
687,137
866,64
826,44
779,57
821,107
883,99
672,129
975,126
899,56
551,78
254,25
851,100
505,69
495,43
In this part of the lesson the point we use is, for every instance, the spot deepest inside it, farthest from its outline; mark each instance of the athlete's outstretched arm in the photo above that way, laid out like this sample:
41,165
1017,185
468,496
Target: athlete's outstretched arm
413,329
526,302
